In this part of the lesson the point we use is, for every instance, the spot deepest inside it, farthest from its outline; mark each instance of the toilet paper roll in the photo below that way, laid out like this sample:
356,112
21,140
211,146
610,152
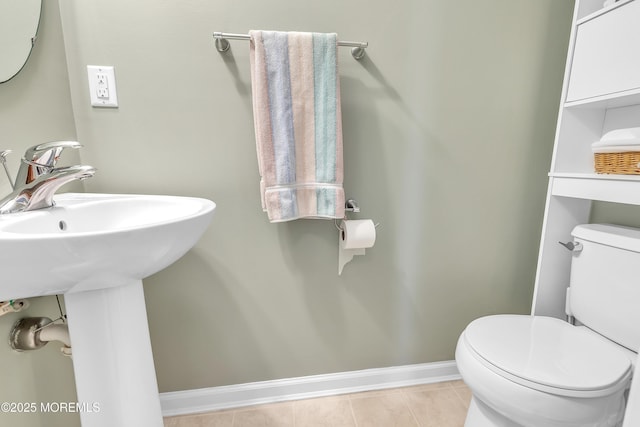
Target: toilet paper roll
357,234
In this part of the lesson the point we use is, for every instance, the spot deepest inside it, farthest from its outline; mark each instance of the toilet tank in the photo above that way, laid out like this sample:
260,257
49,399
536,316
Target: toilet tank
605,282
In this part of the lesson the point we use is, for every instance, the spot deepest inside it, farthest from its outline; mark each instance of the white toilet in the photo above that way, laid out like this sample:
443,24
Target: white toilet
536,371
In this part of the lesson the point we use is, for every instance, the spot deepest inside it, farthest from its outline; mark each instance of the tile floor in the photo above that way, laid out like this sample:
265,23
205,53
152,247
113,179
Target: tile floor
432,405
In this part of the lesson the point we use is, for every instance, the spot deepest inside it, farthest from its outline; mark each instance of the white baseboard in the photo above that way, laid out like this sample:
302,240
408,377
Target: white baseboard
233,396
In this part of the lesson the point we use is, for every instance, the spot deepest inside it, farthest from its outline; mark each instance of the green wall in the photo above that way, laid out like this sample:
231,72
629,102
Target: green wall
448,131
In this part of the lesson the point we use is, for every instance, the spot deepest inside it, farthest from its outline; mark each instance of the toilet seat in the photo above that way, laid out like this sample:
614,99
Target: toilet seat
548,355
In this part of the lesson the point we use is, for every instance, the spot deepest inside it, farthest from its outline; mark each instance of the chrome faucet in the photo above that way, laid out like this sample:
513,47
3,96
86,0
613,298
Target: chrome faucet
38,179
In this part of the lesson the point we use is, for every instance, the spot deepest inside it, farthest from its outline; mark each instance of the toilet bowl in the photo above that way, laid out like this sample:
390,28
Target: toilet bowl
536,371
541,372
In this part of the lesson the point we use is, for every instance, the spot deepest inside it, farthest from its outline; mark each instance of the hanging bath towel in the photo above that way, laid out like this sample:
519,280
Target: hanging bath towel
298,125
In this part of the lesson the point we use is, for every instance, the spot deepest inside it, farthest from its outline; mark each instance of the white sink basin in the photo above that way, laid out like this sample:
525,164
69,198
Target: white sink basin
96,249
89,241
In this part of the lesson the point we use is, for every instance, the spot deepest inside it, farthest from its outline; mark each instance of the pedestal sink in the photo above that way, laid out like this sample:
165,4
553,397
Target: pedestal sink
96,249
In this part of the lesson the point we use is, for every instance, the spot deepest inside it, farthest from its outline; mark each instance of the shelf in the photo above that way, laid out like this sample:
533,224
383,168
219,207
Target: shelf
611,100
601,93
602,11
602,187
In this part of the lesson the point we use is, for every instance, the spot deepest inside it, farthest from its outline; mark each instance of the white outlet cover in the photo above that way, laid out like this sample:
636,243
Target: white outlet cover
110,101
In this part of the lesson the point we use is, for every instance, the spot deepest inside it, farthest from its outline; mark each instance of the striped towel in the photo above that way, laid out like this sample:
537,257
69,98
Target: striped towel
297,119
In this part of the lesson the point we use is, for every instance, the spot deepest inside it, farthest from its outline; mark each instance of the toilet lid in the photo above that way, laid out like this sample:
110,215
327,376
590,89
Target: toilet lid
548,352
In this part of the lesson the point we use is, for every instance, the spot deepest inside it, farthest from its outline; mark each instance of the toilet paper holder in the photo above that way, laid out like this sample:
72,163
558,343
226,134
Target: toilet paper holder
351,206
346,254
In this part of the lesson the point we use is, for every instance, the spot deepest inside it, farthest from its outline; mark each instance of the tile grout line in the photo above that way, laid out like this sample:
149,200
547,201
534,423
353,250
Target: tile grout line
405,400
464,402
353,414
293,409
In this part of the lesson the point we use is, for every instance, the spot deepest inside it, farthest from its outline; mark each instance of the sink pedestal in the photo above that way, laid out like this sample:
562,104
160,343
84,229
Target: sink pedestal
112,359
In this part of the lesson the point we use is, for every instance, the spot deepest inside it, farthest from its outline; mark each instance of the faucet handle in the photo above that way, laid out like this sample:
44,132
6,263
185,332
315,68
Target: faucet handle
47,154
55,144
41,159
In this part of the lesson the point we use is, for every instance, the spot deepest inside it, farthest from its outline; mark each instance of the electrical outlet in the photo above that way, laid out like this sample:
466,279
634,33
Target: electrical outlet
103,93
102,86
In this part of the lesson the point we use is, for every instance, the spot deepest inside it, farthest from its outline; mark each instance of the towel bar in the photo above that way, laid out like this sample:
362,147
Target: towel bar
222,43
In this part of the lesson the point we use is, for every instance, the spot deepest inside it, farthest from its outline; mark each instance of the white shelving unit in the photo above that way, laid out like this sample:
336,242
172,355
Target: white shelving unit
601,92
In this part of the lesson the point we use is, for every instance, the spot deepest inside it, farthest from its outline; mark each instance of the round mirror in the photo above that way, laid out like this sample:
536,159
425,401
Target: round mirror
19,21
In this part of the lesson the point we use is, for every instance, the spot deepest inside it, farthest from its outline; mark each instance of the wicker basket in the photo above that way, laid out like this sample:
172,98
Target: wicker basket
627,163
